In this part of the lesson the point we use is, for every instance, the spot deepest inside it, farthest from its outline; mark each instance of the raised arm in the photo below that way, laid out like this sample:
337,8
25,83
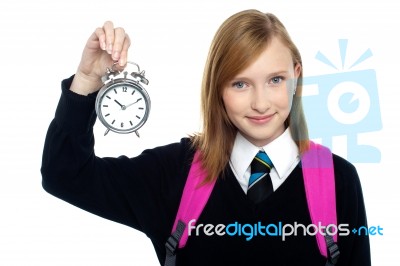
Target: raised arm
126,190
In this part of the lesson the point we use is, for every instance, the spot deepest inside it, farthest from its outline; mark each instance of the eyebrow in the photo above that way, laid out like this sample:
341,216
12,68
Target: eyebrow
273,74
278,73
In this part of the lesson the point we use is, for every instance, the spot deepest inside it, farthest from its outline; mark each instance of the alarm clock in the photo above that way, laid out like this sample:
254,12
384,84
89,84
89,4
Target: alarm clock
122,103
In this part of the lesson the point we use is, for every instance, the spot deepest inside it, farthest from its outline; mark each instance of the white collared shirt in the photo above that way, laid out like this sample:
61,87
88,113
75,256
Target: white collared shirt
283,153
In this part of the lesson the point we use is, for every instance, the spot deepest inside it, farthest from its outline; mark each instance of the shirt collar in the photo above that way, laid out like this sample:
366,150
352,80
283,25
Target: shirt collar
282,151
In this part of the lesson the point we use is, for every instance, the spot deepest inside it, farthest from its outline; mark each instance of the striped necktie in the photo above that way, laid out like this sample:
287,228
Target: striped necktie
260,184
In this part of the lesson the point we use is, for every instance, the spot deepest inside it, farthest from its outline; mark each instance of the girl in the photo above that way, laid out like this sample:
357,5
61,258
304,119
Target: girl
251,102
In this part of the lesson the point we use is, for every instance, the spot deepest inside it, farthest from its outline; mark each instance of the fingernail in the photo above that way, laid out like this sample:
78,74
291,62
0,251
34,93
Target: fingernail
116,56
103,46
122,62
109,50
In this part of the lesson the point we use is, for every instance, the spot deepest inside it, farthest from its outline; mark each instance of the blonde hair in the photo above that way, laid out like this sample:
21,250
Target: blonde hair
236,44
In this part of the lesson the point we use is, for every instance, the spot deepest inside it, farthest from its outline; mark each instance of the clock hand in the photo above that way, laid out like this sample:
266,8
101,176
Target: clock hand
133,103
122,106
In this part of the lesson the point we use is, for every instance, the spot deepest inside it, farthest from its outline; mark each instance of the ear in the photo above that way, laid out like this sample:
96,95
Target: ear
297,71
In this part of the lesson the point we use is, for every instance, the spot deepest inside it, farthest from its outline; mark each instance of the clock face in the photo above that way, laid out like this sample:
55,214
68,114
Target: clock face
124,108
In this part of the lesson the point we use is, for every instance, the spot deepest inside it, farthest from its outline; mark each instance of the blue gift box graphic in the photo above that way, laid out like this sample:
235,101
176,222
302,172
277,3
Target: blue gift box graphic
344,103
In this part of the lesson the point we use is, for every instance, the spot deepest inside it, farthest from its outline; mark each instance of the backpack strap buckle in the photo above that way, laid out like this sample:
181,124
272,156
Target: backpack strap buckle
172,244
333,250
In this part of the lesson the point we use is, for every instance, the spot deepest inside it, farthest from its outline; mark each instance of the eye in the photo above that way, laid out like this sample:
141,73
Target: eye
277,80
239,84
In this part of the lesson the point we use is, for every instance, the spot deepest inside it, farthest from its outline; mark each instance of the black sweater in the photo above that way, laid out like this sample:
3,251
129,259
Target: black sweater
144,193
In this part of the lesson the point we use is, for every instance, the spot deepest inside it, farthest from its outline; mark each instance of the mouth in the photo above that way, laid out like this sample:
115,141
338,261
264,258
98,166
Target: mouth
260,119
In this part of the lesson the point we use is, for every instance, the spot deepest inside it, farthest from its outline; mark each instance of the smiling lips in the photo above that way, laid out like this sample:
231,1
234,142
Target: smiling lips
260,119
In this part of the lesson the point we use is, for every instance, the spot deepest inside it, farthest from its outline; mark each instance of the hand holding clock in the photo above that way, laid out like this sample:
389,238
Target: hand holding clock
105,46
103,67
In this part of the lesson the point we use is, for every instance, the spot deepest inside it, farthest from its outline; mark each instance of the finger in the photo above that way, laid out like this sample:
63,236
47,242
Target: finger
124,52
101,37
119,39
108,28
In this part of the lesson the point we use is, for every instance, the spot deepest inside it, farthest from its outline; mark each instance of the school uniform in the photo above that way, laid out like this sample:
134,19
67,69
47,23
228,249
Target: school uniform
144,193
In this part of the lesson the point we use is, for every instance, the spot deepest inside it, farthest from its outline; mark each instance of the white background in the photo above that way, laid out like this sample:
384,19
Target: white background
41,43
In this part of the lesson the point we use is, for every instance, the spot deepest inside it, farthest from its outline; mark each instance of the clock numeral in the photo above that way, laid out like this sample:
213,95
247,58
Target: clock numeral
133,92
108,97
122,124
113,122
115,91
107,114
131,123
141,108
124,89
138,117
105,105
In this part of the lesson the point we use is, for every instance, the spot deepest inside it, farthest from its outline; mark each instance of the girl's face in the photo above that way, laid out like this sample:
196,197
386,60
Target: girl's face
258,99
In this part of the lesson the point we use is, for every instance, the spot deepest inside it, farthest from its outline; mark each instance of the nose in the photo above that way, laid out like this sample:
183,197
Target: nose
260,101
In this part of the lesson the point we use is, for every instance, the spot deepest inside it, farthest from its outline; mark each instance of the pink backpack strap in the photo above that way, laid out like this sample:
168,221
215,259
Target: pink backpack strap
319,182
194,197
193,200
